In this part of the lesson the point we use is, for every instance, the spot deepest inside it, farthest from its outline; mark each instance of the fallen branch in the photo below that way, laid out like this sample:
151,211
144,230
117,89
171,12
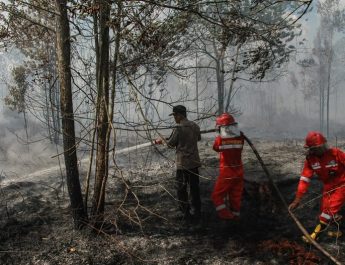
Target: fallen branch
293,216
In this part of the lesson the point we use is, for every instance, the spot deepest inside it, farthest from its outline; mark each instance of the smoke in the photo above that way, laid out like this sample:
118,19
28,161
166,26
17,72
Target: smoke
19,155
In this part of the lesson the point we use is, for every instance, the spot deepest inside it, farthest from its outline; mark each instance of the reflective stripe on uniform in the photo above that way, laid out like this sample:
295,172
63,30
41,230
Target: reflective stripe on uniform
230,146
326,216
305,179
332,165
220,207
236,213
315,167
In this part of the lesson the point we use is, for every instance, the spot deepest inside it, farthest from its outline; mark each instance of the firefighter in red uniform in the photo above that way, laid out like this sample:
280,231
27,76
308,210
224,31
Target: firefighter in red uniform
229,144
329,165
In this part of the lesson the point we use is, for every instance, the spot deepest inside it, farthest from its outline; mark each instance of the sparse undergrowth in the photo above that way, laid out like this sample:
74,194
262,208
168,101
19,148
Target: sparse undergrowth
145,226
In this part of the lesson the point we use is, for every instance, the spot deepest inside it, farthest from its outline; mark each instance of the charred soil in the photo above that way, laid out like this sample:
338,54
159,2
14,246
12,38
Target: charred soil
143,225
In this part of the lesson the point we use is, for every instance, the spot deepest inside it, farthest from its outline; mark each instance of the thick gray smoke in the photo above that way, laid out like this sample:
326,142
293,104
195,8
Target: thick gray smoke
17,155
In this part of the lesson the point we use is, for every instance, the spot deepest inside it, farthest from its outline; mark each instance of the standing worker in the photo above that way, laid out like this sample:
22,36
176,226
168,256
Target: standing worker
185,139
229,144
329,165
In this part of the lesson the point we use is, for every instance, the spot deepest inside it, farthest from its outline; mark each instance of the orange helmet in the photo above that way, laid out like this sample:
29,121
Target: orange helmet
314,139
225,119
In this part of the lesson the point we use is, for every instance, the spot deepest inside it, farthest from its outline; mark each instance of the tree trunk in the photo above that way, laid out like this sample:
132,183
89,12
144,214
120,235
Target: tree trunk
320,107
117,33
55,96
232,81
330,59
220,75
95,31
93,137
26,129
47,115
327,103
220,86
196,85
102,116
70,154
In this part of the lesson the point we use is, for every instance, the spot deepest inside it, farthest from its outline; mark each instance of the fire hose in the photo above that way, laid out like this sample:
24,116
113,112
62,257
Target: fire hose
292,215
135,147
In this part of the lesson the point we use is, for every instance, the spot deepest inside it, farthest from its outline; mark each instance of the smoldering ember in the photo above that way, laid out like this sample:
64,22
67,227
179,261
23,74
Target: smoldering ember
172,132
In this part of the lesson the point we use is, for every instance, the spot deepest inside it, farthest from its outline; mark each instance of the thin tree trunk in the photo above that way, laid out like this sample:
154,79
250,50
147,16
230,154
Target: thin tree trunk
327,103
232,81
330,58
115,68
112,101
47,112
220,85
26,128
322,100
58,108
320,106
52,95
95,31
70,154
97,50
102,105
196,85
55,98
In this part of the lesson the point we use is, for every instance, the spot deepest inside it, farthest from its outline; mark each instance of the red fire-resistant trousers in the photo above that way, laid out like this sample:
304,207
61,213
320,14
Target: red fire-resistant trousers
231,187
332,201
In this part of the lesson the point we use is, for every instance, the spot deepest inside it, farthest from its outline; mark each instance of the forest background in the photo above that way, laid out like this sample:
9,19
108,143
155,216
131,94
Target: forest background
82,79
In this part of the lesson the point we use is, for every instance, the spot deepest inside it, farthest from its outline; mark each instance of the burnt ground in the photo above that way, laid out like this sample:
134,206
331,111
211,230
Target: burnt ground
143,225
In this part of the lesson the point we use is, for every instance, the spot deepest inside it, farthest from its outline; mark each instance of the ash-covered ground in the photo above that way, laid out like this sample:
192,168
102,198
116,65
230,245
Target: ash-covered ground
144,226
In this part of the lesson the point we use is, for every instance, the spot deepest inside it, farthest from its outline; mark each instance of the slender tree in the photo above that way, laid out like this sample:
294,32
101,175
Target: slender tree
16,98
70,154
245,41
102,112
332,20
318,70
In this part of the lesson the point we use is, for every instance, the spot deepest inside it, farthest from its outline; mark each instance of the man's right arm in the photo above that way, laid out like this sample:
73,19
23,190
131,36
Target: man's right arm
173,140
303,185
305,179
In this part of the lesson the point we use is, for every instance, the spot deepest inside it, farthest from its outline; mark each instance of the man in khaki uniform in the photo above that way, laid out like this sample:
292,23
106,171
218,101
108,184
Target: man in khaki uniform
185,139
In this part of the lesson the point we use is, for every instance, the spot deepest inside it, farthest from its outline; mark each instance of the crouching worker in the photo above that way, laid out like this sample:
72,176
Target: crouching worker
329,165
229,144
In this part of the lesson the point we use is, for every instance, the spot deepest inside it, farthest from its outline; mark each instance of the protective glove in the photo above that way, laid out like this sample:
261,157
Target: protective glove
158,141
295,203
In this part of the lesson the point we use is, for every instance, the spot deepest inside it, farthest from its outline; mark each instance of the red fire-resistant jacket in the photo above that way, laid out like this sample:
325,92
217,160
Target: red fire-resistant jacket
330,168
230,150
